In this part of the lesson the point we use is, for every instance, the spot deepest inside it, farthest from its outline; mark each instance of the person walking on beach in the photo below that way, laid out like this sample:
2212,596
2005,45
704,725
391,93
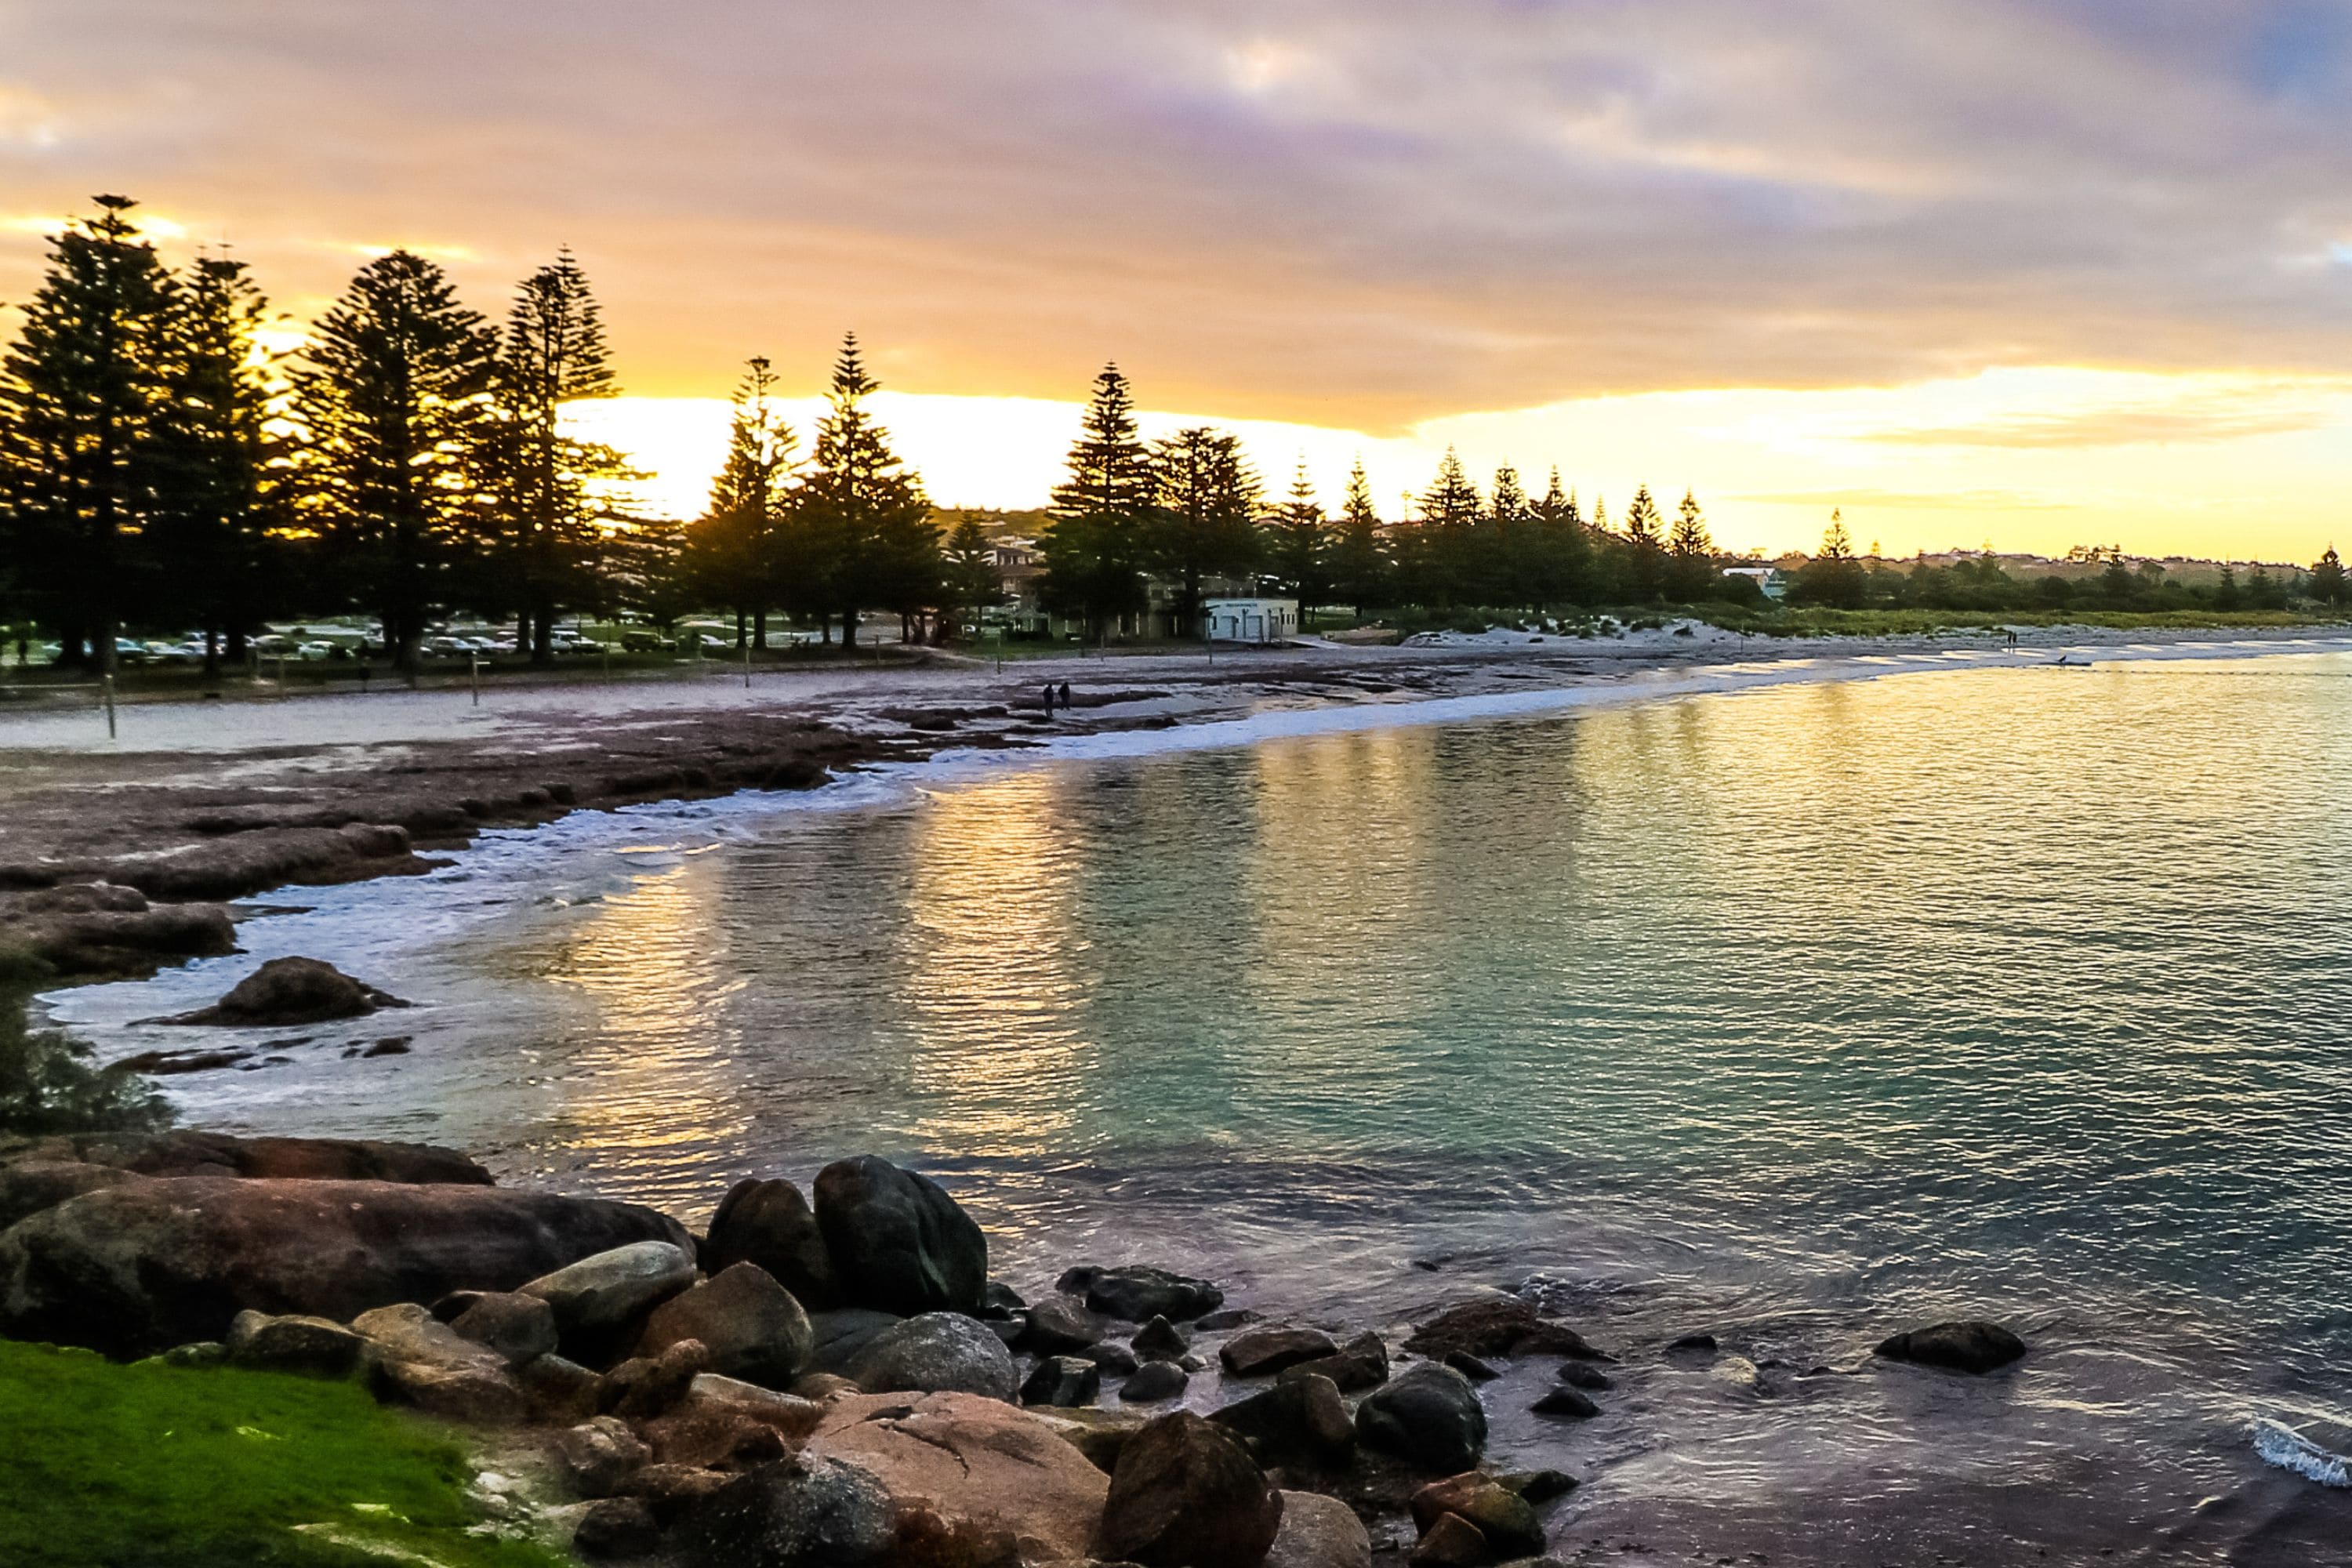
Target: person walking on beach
1066,697
1049,703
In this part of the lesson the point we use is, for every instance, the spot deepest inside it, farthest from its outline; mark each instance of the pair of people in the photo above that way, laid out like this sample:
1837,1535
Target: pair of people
1050,697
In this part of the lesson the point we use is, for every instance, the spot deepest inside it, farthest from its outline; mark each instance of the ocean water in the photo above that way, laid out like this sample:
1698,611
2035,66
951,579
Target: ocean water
1796,1015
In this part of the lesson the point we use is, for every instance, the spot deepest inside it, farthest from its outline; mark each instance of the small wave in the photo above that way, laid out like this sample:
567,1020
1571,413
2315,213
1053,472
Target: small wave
2281,1444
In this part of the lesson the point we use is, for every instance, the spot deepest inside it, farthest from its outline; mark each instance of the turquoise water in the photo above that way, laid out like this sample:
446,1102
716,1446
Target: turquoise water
1796,1015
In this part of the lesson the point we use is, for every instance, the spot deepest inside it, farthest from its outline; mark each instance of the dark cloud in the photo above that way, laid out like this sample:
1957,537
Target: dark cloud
1346,211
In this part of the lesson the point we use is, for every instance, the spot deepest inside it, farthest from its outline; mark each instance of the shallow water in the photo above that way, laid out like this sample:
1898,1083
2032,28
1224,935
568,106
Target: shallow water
1797,1014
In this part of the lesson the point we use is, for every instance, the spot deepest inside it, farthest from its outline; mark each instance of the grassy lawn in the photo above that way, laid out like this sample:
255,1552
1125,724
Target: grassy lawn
148,1466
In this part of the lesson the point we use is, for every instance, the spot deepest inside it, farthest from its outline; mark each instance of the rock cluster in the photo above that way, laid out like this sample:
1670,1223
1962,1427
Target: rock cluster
811,1383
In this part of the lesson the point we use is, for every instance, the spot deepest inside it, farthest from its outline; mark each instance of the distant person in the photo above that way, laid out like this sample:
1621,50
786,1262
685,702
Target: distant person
1066,697
1049,703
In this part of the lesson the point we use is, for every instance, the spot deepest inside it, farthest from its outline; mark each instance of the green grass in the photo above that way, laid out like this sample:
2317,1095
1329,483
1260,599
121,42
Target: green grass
146,1466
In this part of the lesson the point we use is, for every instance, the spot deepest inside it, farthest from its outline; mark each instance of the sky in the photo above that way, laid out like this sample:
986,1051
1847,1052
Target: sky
2036,273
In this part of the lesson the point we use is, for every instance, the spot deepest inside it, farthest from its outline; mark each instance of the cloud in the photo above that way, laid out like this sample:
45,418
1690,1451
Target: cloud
2224,415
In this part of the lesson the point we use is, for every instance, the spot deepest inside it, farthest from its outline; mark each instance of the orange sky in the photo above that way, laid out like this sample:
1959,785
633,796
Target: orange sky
2041,272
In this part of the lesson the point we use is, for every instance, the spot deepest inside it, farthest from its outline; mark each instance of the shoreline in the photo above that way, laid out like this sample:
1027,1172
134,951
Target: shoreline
1660,1510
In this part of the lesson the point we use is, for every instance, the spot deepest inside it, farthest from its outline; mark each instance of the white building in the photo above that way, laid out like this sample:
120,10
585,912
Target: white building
1249,620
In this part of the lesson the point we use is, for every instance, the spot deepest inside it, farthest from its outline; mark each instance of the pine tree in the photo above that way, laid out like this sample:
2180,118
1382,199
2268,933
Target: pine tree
553,353
1298,551
1360,564
1205,521
1691,548
1560,567
2328,583
1097,548
1439,558
734,555
217,493
1644,548
1501,565
391,402
80,394
860,515
1833,578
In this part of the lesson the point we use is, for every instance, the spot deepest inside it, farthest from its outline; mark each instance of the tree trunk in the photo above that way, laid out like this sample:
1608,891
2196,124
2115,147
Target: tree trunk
212,653
848,631
105,650
522,631
742,630
759,630
542,636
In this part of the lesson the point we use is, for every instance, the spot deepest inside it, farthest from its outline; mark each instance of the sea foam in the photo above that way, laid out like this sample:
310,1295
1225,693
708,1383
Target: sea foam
2281,1444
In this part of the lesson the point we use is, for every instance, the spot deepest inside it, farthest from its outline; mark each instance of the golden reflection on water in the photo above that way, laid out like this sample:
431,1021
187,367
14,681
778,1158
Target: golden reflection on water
993,984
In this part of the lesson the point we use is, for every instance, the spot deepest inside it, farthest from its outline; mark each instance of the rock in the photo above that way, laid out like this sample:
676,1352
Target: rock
286,992
1500,1325
897,1241
175,1064
1060,1325
838,1336
193,1153
1538,1487
1320,1532
1566,1402
1066,1379
792,1418
1429,1415
770,1224
1692,1344
1154,1381
646,1386
559,1390
1452,1542
418,1360
29,1186
200,1352
669,1491
520,1328
999,1300
616,1530
710,1438
1098,1434
936,1352
134,1268
1361,1363
755,1329
821,1386
1159,1340
1257,1352
1972,1346
972,1461
1188,1494
1138,1293
1470,1367
1301,1422
1011,1329
1584,1375
599,1456
313,1347
1115,1359
599,1301
1236,1317
1504,1517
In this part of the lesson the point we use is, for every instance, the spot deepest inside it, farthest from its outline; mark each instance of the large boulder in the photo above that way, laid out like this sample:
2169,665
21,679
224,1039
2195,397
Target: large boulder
136,1268
1302,1421
770,1224
1319,1531
754,1329
840,1336
1971,1346
1505,1517
812,1511
309,1347
1064,1380
422,1361
520,1328
936,1352
1497,1325
1361,1363
188,1152
897,1242
1138,1292
972,1461
1187,1494
601,1301
1430,1415
1060,1326
28,1186
287,992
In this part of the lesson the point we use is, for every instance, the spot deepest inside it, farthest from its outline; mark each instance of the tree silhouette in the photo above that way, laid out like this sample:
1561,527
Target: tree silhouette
860,515
1299,546
1096,550
80,394
735,554
1205,521
1360,563
392,400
